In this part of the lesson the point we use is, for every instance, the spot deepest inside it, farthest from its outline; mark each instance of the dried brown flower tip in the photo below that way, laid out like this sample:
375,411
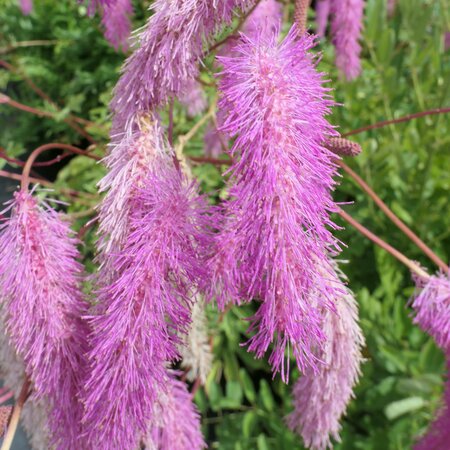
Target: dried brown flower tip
343,147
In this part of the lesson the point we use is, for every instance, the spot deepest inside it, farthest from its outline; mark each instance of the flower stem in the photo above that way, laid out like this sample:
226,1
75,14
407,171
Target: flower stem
56,145
414,267
407,118
14,421
396,220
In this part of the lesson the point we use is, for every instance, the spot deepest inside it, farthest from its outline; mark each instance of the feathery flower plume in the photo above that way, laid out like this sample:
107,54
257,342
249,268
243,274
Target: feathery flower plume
322,15
432,306
117,24
26,6
196,351
42,301
169,50
193,98
177,421
438,436
275,223
346,26
134,156
143,309
12,372
320,399
265,18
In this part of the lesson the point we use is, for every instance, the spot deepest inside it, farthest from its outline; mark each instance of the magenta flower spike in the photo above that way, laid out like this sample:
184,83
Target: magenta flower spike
346,27
117,24
438,436
265,18
167,55
275,224
26,6
322,16
43,304
321,398
432,306
143,309
176,425
132,157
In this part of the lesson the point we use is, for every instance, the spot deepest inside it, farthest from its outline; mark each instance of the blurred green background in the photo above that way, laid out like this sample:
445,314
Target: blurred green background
405,69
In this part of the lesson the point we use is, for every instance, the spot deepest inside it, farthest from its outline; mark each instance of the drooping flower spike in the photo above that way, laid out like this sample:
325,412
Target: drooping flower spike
322,15
177,422
143,308
432,307
133,156
320,399
275,225
196,349
346,26
438,436
168,53
115,19
43,304
26,6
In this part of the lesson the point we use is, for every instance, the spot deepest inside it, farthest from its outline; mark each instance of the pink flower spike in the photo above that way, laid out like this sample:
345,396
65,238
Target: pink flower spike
176,423
275,225
432,306
322,16
40,289
26,6
321,398
346,26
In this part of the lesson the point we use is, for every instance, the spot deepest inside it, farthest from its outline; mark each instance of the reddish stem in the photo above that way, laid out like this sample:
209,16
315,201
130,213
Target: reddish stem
20,163
407,118
401,225
41,113
384,245
14,421
35,153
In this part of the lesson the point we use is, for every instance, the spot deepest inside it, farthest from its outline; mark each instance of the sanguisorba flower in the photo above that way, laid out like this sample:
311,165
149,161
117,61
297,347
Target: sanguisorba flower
43,303
143,309
322,15
176,425
26,6
117,24
346,26
115,19
275,225
132,157
321,398
431,304
168,53
438,436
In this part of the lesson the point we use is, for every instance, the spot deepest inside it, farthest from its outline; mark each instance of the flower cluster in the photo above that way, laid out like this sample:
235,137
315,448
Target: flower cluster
320,399
274,228
168,54
43,305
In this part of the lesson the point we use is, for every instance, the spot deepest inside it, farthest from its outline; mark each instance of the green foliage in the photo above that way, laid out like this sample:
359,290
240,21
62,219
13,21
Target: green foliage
405,70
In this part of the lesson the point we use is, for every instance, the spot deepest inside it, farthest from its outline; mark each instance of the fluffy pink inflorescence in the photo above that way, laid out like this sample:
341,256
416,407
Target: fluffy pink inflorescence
117,24
438,436
320,399
143,309
26,6
132,157
169,50
346,26
275,222
40,288
432,306
322,15
177,422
